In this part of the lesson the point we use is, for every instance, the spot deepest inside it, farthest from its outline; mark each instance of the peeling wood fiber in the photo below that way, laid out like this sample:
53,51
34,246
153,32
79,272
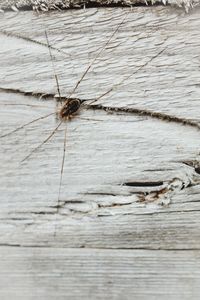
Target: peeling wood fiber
45,5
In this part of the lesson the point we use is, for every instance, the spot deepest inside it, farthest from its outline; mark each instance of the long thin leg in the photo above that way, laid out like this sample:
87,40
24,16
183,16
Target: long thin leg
26,124
29,105
97,55
58,89
30,40
61,174
53,66
56,77
62,166
126,78
40,145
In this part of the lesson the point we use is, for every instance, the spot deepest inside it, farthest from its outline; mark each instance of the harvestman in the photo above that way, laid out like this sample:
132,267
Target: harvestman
68,110
72,105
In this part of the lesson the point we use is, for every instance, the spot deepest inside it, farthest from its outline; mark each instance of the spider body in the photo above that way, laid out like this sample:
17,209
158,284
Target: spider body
69,109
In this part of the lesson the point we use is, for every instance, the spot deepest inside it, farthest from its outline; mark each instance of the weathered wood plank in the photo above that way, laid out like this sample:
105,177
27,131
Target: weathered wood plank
46,5
131,179
98,274
162,85
120,168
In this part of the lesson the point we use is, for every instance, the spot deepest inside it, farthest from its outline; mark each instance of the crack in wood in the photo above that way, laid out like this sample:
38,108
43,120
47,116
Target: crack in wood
100,214
47,5
101,194
114,204
32,94
161,197
164,195
85,247
148,113
143,184
134,111
195,164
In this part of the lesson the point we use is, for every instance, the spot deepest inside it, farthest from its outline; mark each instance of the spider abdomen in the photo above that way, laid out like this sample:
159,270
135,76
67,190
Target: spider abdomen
70,107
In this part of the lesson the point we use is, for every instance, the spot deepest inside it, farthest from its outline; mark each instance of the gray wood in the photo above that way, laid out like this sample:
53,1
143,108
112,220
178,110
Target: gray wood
98,274
46,5
131,177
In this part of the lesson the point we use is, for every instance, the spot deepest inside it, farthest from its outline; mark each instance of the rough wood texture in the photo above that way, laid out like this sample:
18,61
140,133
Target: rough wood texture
46,5
98,274
131,177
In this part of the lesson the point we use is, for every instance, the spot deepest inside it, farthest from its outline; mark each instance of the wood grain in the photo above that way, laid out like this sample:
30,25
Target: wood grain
132,170
47,5
98,274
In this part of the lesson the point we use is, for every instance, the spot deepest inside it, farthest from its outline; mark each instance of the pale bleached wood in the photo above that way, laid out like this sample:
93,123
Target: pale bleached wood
130,181
98,274
165,85
105,155
46,5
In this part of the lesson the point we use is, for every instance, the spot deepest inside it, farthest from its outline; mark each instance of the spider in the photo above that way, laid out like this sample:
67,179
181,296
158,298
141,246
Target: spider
71,106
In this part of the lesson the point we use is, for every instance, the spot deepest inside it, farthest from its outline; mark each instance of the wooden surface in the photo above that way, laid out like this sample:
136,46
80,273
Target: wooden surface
98,274
130,189
47,5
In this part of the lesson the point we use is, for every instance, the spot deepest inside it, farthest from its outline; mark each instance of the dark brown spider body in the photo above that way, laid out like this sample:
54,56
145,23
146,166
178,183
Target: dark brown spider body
70,107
